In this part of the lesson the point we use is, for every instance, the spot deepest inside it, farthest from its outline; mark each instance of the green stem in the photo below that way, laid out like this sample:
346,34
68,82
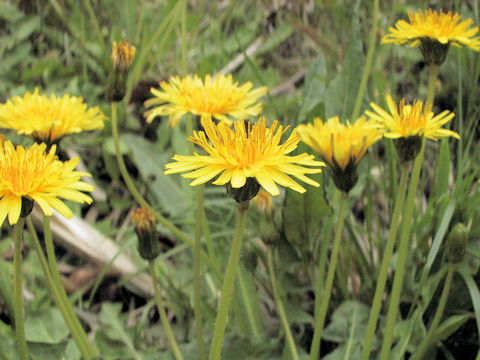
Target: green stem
163,315
368,63
57,283
432,78
17,290
407,223
197,305
382,276
142,202
54,292
280,309
322,313
227,289
429,338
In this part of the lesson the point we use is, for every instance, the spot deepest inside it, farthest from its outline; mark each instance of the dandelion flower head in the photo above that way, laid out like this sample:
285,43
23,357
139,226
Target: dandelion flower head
405,120
49,119
39,176
247,151
434,32
340,145
219,97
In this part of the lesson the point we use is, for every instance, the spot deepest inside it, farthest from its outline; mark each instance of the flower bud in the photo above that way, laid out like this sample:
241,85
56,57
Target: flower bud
122,58
408,147
245,193
145,227
457,241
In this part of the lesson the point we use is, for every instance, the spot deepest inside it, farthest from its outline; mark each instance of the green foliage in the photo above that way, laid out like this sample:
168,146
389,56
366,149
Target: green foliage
311,56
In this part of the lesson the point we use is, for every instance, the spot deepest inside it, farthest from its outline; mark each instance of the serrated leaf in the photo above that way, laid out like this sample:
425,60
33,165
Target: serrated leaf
342,322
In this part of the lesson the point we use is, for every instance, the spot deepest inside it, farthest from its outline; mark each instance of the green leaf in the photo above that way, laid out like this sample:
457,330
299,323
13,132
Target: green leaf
449,326
41,351
443,170
46,327
114,330
474,295
342,323
315,80
151,161
341,93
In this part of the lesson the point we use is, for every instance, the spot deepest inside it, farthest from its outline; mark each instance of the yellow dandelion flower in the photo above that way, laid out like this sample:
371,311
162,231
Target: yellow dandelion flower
220,98
405,120
341,146
244,153
49,119
434,32
31,173
338,144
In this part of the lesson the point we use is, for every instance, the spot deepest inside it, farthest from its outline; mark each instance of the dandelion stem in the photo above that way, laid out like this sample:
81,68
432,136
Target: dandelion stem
280,309
382,276
228,282
322,313
405,234
432,78
197,304
368,63
17,290
142,202
163,315
57,283
429,338
402,256
77,337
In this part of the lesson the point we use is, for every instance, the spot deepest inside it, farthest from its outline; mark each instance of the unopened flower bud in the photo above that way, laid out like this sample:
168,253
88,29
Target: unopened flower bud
145,227
408,147
122,58
457,241
245,193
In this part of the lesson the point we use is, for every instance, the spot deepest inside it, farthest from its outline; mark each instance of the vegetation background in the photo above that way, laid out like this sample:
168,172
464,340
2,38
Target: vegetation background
310,54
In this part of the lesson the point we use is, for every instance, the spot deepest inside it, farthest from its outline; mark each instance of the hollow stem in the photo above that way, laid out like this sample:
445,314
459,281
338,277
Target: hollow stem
382,276
197,304
280,309
77,337
17,290
227,289
163,316
429,338
407,223
320,317
57,283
